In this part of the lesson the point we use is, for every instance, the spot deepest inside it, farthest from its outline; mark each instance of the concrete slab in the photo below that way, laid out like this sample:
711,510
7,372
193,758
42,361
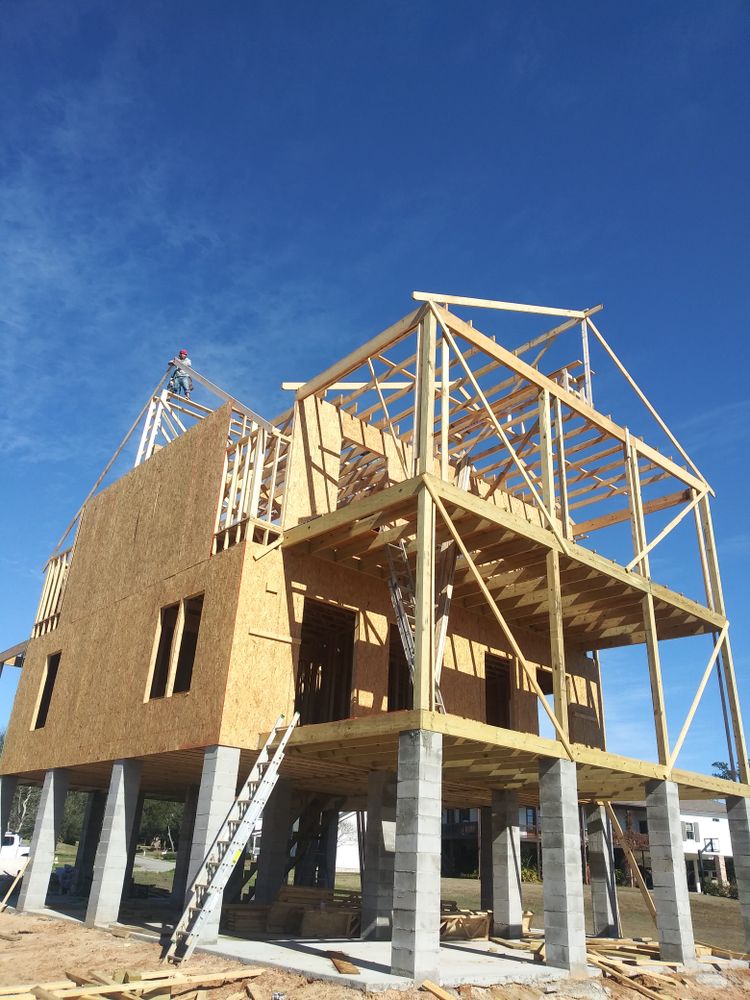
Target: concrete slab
478,962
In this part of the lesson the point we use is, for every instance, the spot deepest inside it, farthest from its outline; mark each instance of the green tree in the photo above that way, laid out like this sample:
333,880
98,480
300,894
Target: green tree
161,820
723,770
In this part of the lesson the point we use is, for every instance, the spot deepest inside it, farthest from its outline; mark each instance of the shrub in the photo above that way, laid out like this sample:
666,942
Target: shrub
727,890
529,874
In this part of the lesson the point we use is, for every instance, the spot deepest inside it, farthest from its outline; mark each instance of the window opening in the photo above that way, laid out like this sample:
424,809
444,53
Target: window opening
400,684
324,667
167,625
176,646
184,672
50,676
497,690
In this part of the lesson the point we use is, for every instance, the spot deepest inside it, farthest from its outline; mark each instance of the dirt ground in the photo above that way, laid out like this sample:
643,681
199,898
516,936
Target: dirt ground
42,949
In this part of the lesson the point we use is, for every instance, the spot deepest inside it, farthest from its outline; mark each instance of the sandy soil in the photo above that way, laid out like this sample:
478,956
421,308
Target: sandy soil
42,949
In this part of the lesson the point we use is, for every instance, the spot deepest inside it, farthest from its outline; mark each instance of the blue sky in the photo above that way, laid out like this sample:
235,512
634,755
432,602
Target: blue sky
266,183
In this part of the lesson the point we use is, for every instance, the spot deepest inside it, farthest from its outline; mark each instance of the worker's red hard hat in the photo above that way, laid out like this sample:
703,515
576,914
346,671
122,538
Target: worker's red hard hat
183,353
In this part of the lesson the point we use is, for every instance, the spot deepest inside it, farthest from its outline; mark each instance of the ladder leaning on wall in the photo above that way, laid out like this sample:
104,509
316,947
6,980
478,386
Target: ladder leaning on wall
401,586
208,886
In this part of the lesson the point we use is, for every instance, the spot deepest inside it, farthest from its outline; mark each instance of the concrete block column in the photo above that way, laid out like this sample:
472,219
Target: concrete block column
217,792
380,854
133,846
415,949
602,870
91,831
670,891
117,834
564,922
8,785
46,831
738,814
506,865
184,845
274,843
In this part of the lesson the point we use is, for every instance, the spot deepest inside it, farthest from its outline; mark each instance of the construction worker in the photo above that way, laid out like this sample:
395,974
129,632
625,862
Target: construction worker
180,382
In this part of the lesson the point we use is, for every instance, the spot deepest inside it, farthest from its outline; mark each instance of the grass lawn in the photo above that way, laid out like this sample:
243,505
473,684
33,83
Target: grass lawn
715,921
65,854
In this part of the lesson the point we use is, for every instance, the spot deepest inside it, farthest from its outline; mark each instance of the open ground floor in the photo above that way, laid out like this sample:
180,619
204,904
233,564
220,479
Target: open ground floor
399,771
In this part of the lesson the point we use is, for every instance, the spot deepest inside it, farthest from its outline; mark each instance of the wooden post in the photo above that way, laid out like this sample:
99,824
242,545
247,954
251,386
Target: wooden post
444,405
638,527
424,445
586,364
554,595
726,650
424,604
561,474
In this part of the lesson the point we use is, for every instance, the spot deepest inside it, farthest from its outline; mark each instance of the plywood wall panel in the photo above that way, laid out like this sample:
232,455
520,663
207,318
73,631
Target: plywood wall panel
144,543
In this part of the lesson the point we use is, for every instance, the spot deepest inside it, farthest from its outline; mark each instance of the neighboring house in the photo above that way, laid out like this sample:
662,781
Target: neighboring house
705,840
705,833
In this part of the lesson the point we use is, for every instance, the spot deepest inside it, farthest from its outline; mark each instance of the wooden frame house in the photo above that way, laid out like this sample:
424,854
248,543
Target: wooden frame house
245,568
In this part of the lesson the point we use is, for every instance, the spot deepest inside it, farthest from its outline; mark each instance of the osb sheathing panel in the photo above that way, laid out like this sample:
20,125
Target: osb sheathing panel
317,439
144,543
266,644
152,523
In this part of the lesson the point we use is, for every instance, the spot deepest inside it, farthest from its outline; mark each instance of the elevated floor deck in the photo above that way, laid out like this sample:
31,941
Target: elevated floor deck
336,757
601,600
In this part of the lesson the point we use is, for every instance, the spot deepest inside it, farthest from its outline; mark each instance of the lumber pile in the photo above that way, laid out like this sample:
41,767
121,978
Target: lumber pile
298,910
463,925
129,984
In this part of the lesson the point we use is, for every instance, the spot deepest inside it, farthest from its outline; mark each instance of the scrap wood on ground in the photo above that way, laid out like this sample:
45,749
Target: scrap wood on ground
129,984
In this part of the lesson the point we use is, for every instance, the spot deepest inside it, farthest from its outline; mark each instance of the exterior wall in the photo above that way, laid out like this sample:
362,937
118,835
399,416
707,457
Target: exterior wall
143,543
261,681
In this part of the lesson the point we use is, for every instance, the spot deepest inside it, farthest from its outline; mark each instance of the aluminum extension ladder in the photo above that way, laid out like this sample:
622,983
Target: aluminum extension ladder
401,586
209,884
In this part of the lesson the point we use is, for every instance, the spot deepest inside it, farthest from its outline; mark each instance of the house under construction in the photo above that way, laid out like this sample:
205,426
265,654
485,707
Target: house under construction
406,559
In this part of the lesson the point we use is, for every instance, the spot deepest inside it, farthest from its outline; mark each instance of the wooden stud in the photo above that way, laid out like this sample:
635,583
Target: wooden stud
726,654
649,617
698,695
424,604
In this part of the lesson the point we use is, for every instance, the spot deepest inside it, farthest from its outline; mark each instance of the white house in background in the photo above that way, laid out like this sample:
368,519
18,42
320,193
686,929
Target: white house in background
347,845
706,840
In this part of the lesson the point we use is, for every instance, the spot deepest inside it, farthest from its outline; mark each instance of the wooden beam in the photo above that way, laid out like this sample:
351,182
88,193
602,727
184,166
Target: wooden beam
624,514
465,300
424,443
665,530
698,695
647,897
358,357
554,597
726,656
649,617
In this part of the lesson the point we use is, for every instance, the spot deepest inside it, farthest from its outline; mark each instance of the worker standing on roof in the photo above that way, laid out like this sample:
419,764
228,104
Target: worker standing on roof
180,382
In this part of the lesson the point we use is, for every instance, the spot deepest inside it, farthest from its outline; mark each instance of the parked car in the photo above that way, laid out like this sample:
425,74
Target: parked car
13,854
